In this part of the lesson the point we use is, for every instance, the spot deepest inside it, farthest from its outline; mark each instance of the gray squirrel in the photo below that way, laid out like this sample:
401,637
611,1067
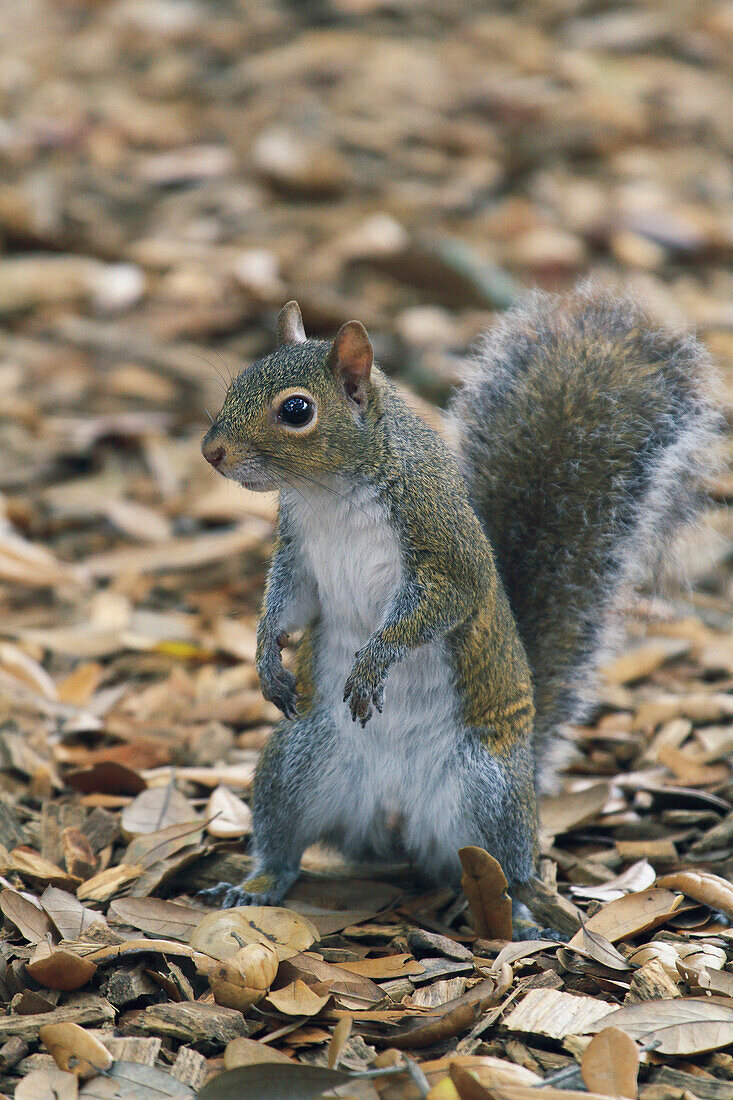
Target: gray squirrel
454,607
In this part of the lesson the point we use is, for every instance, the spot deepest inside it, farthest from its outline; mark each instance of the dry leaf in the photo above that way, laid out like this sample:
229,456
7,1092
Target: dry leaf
611,1064
221,934
27,916
68,914
160,918
572,808
108,883
154,809
56,968
249,1052
47,1084
339,1039
485,885
75,1050
385,967
228,815
297,999
702,886
631,914
555,1014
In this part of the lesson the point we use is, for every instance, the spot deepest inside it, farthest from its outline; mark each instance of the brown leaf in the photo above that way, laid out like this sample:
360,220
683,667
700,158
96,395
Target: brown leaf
555,1014
297,999
28,917
160,918
221,934
567,811
250,1052
611,1064
485,885
42,1084
68,914
339,1039
154,809
56,968
388,966
108,883
631,914
702,886
75,1050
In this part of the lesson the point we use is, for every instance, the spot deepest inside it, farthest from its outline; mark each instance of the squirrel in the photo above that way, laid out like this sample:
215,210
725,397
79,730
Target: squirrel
454,606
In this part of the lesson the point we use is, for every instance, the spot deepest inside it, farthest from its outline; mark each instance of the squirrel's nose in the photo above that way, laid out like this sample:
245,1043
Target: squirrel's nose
213,450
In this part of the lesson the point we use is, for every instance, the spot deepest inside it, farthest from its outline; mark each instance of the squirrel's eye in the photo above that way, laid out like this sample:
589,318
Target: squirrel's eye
296,411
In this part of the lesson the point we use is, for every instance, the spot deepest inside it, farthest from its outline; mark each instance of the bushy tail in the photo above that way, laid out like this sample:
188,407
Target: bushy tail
583,435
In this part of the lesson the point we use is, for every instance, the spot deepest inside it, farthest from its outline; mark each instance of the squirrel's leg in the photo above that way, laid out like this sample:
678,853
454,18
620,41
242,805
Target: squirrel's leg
505,823
285,813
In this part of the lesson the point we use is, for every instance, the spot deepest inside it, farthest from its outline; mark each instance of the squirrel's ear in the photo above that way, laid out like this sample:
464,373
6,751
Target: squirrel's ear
351,357
290,325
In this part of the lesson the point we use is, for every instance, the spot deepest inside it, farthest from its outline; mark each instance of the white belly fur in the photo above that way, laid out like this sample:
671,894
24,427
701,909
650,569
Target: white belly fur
404,764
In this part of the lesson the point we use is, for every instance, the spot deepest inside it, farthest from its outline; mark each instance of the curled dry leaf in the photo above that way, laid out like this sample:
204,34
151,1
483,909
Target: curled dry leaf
108,883
27,916
702,886
485,885
222,934
297,999
228,815
55,968
339,1039
73,1049
245,979
611,1064
630,915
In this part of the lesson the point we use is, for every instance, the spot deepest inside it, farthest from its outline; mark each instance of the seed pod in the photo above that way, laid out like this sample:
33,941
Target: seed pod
244,979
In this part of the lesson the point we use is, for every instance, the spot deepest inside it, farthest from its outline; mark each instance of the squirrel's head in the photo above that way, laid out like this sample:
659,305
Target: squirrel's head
301,411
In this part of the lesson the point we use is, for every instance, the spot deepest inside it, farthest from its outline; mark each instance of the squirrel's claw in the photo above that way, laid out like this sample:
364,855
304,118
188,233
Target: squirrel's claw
364,693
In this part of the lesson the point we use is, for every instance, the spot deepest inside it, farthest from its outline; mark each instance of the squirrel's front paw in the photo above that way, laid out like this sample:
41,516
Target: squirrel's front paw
278,686
364,690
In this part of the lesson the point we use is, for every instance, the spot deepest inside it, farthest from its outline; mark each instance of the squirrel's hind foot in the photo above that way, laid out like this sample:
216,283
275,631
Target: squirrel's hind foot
261,888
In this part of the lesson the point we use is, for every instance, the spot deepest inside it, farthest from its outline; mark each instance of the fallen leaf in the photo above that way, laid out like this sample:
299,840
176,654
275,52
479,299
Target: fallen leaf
75,1050
297,999
27,916
555,1014
68,914
250,1052
610,1064
221,934
702,886
485,886
631,914
567,811
160,918
47,1084
56,968
274,1082
228,815
154,809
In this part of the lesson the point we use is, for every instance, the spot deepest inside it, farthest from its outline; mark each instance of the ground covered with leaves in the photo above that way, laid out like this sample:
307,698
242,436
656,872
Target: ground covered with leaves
172,171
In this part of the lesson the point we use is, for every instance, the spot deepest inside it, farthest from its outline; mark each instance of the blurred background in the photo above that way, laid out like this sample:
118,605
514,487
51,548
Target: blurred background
172,171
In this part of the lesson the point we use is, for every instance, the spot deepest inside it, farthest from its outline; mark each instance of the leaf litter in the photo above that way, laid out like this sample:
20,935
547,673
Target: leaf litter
170,175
